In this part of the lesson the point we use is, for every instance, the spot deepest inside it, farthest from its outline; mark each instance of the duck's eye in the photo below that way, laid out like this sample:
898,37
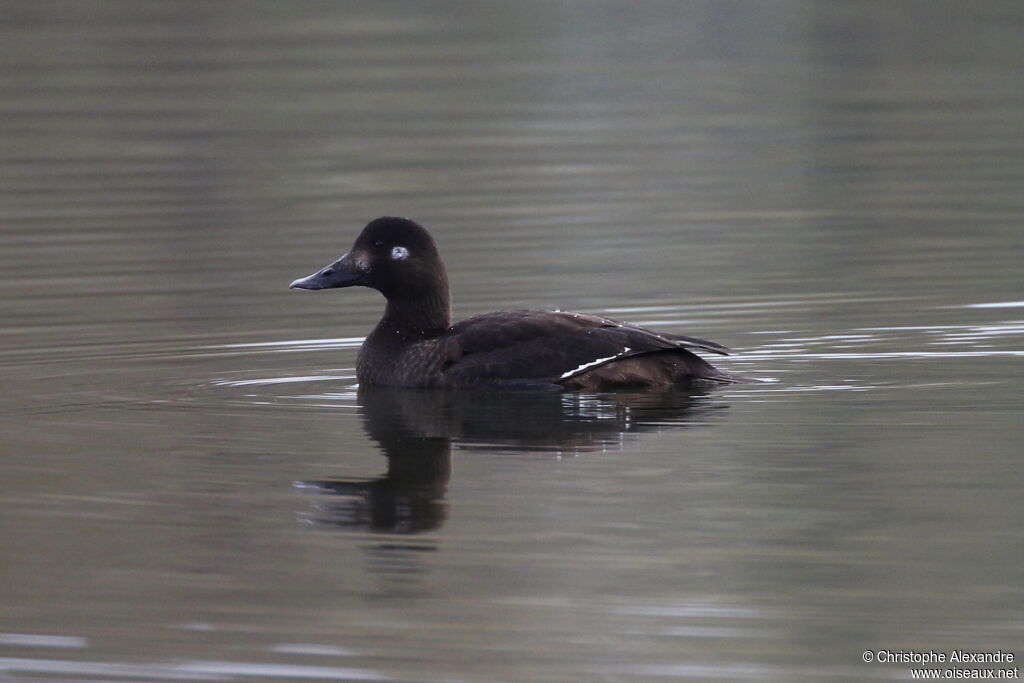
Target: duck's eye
379,243
399,253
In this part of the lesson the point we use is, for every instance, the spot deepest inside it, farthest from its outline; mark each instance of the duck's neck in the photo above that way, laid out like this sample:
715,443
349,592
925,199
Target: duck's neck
412,318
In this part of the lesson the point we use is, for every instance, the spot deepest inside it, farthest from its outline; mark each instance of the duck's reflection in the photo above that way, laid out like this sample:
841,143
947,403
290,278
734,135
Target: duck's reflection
409,498
416,429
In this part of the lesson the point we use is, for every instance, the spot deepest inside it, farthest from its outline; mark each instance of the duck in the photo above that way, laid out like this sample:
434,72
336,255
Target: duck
416,345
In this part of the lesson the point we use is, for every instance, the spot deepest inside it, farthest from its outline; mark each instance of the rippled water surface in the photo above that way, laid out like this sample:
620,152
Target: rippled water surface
195,489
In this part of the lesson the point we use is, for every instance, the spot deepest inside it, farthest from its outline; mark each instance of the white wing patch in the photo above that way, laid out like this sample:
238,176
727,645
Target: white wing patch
399,253
592,363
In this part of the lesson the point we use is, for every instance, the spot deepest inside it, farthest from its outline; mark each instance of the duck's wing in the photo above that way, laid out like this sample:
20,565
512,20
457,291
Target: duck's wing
549,347
682,341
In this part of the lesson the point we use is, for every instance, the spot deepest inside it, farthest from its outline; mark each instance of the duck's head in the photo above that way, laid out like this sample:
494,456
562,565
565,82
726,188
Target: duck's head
395,256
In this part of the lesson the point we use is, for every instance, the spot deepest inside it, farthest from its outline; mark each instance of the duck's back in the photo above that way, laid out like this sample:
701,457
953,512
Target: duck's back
568,350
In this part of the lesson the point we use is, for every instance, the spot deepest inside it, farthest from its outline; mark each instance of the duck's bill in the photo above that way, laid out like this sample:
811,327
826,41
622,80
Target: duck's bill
338,274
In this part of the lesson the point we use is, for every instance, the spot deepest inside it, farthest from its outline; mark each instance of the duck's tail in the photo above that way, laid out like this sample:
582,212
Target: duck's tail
697,368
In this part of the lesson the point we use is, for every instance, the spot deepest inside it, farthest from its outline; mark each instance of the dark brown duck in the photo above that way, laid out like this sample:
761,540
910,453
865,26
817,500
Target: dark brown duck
415,344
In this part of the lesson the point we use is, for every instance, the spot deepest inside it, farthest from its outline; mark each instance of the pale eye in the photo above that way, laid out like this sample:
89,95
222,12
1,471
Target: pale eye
399,253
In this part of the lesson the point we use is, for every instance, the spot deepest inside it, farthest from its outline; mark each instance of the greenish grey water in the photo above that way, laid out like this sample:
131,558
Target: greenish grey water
193,489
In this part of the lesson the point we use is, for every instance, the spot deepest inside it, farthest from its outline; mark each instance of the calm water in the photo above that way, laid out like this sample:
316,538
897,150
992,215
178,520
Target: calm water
193,488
